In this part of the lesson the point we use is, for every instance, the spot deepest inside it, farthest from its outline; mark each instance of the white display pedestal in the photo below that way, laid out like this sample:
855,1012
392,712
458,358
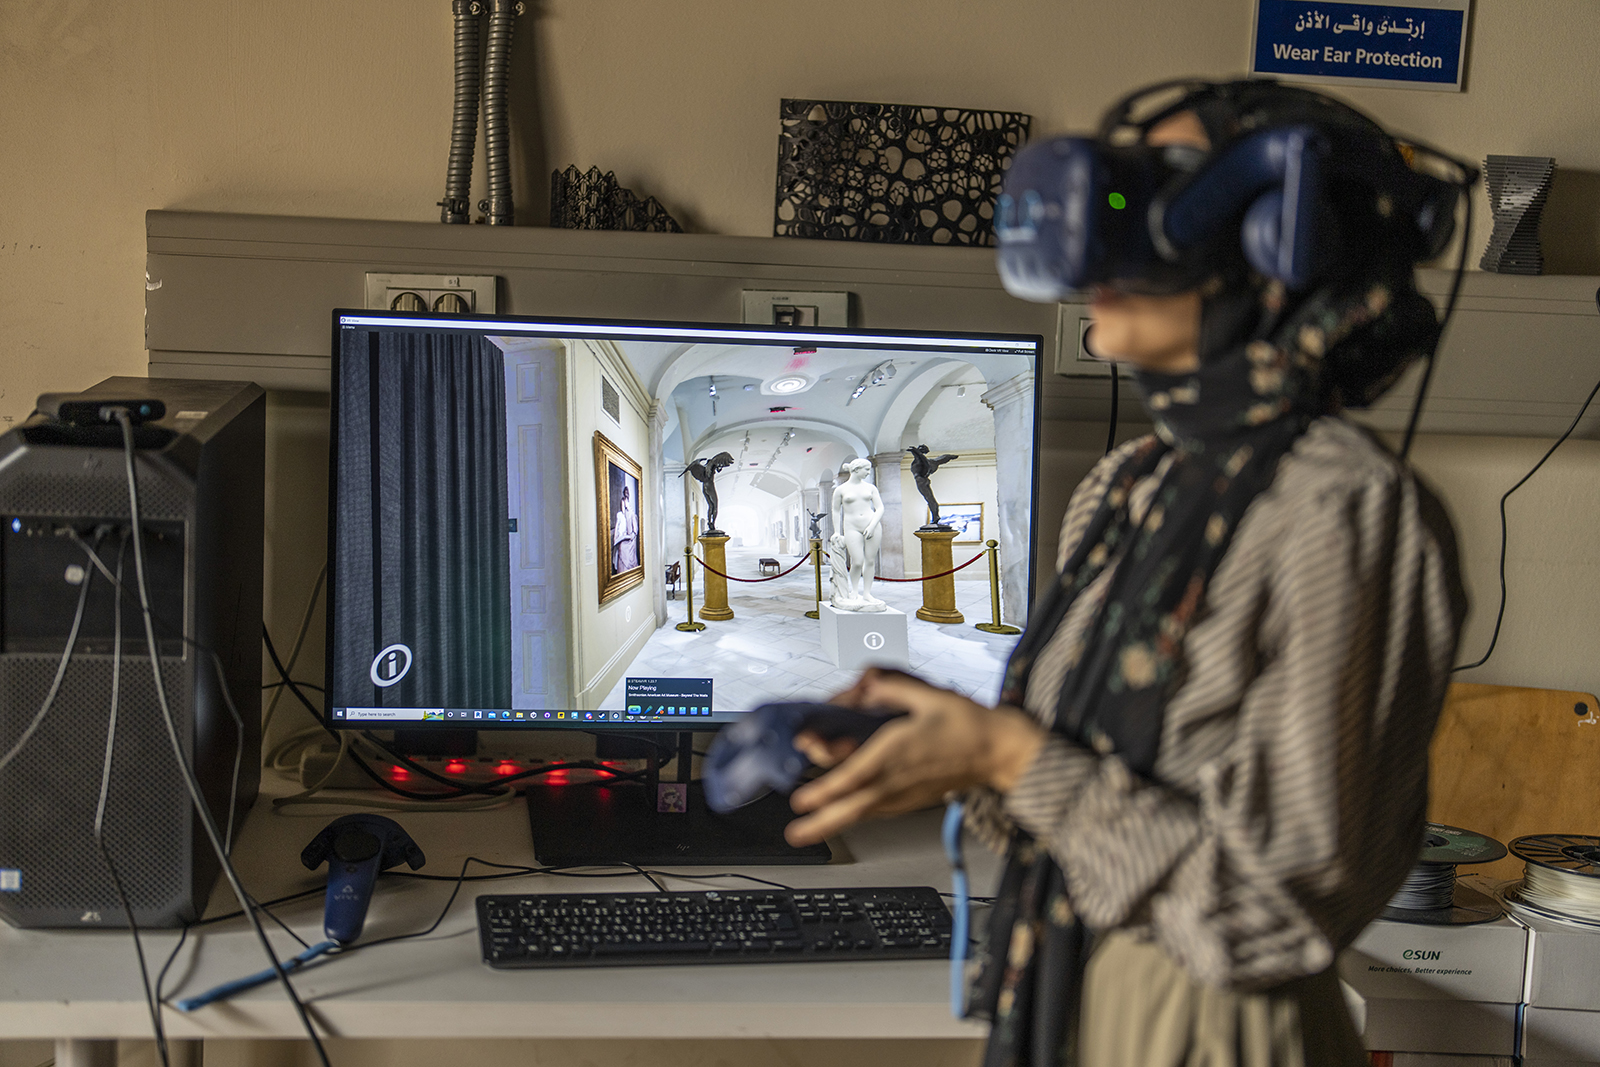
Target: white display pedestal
864,638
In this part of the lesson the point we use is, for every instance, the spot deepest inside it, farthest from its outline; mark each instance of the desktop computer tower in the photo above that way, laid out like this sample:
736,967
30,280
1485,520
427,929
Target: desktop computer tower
201,469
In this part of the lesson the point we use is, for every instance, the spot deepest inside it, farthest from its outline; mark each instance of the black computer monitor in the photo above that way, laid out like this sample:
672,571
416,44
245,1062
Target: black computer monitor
511,499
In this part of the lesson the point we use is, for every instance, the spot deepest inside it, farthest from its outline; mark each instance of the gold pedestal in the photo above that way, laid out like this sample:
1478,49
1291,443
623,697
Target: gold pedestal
715,607
816,570
938,594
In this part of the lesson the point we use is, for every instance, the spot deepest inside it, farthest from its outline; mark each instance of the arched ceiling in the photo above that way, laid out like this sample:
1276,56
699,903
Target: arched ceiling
838,403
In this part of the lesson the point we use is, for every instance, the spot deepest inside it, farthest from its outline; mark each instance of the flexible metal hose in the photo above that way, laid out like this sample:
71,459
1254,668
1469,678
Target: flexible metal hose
496,127
457,203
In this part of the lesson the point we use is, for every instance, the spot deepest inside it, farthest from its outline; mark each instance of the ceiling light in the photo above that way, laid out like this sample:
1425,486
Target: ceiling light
792,383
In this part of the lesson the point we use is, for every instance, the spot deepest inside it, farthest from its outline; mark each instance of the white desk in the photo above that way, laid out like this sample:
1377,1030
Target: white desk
85,985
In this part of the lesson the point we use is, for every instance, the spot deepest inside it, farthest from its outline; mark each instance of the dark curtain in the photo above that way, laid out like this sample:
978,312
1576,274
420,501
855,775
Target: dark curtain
423,552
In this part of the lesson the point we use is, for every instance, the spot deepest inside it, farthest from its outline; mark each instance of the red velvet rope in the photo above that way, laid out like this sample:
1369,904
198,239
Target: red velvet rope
807,556
931,577
769,578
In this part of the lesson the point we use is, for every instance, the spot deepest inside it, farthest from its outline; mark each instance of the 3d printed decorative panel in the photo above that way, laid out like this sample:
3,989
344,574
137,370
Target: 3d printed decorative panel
895,173
595,201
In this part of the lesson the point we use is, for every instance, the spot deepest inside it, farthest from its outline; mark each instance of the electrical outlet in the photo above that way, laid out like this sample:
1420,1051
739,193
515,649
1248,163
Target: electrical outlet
1073,359
772,307
455,293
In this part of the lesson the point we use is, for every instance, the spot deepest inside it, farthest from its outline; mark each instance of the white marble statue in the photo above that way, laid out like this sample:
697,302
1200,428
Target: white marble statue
857,512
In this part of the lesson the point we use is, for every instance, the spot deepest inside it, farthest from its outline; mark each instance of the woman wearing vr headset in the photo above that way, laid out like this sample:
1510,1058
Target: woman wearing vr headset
1209,763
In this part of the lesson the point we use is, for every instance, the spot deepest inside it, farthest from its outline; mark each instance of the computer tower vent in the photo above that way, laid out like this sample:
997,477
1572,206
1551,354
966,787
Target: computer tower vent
100,490
47,803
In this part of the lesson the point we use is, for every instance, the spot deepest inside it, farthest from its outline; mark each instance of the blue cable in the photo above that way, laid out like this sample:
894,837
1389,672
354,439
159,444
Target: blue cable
953,815
239,985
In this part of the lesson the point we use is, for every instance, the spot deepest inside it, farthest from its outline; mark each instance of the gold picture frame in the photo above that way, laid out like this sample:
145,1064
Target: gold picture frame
965,518
619,514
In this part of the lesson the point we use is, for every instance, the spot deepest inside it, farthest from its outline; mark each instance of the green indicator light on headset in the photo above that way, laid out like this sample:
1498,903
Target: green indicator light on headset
1118,201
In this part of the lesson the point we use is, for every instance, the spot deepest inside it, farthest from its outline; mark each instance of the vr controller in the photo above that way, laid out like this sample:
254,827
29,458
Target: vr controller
1080,211
756,755
356,848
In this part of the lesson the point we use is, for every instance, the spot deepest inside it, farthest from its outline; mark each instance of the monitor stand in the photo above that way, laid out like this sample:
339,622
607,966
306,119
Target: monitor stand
584,824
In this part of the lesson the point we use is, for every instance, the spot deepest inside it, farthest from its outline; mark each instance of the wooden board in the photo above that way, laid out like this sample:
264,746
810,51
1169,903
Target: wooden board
1508,761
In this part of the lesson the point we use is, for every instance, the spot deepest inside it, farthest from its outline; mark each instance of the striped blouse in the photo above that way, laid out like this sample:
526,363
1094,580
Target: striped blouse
1289,788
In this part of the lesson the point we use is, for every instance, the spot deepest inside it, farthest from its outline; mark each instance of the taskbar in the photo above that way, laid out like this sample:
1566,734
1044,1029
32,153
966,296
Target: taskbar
396,716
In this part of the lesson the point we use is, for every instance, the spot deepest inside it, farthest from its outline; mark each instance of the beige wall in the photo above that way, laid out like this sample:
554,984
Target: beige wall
295,107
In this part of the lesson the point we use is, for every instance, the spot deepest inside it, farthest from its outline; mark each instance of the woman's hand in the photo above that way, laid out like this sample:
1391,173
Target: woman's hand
945,742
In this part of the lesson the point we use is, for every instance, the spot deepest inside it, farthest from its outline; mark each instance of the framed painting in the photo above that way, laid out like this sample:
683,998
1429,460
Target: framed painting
619,554
967,520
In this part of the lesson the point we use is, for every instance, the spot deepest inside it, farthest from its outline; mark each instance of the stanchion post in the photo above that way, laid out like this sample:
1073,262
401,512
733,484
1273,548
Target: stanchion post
816,569
995,627
688,590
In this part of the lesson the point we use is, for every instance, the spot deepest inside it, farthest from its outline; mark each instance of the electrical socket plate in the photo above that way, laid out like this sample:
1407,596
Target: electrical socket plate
477,290
774,307
1072,353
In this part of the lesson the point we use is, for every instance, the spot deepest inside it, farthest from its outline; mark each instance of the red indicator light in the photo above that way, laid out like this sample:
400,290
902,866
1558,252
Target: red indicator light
506,767
456,766
399,773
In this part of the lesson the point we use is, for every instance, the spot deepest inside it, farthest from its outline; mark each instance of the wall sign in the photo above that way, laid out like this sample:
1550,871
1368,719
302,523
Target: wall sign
1410,44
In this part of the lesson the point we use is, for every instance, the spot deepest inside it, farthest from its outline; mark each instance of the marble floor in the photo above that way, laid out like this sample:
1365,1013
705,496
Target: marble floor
770,651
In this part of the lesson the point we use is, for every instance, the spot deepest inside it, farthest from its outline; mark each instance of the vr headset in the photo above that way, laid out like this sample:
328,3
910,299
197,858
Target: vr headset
1296,183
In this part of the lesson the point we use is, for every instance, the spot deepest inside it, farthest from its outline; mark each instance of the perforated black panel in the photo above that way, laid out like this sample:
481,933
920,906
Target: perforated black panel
49,792
897,173
101,491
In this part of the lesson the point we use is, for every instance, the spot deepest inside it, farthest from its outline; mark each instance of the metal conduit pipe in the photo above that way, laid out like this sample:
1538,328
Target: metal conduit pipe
457,203
496,127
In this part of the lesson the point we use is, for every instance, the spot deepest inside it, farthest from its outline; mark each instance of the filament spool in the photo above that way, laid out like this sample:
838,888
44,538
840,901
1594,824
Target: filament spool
1431,895
1560,880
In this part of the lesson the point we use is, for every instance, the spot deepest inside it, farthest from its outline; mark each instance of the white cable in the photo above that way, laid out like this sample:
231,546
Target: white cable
216,667
196,796
1564,892
55,686
347,741
162,1051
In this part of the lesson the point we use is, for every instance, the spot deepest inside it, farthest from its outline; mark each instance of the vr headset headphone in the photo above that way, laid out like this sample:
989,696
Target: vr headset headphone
1295,183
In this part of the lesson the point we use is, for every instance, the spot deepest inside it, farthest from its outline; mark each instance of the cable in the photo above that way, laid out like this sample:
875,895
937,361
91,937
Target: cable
961,913
294,652
1449,310
724,874
202,810
55,684
1111,430
216,667
151,1003
1499,617
303,684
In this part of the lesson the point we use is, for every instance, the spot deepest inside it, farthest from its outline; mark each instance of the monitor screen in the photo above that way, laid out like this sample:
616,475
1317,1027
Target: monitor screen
511,500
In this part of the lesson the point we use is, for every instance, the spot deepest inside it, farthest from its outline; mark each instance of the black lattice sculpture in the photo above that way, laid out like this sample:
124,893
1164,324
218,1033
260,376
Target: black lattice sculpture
1518,187
594,201
895,173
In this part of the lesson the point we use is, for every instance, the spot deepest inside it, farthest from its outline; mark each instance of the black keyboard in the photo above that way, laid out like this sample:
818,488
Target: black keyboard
740,926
